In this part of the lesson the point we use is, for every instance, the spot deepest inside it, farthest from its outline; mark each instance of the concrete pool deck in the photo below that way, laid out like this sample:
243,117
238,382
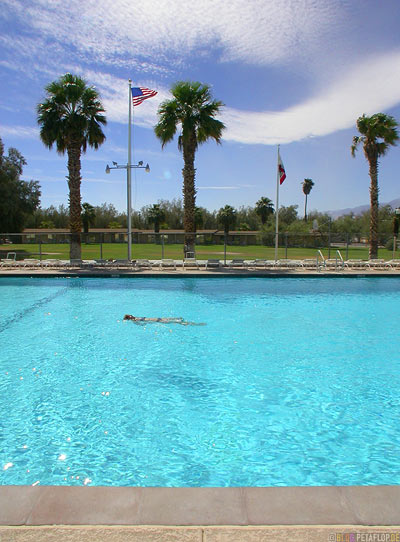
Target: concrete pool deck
222,272
97,514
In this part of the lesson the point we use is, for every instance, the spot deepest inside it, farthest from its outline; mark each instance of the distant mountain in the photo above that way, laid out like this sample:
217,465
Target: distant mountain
361,208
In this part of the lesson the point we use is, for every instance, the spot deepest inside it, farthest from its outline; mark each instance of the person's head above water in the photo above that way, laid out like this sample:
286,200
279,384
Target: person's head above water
129,317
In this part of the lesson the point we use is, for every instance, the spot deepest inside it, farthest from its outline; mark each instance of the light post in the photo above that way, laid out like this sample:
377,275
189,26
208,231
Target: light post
396,221
128,168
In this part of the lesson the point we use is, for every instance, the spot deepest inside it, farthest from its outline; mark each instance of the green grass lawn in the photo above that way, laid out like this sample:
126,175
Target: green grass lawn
175,251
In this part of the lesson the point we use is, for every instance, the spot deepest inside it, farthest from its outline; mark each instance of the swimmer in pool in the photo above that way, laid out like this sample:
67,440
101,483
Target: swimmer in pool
143,320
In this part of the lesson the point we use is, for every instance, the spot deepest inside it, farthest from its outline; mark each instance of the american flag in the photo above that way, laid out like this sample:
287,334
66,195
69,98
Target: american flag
281,170
141,93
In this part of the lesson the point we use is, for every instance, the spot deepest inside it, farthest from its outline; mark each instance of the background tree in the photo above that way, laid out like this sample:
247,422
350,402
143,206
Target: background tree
193,108
307,187
114,225
156,215
227,217
198,217
71,118
18,199
88,216
47,225
378,133
287,215
264,209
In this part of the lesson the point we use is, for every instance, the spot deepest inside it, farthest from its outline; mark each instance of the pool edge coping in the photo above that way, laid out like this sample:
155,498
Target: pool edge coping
222,273
207,506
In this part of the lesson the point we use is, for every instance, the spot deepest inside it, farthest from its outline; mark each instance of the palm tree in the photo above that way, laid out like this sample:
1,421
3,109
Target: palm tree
193,108
88,216
264,208
227,217
378,133
71,118
307,186
156,215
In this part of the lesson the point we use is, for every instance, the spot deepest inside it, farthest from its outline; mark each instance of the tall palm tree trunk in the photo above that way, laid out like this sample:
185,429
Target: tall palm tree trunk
75,209
189,197
373,192
305,210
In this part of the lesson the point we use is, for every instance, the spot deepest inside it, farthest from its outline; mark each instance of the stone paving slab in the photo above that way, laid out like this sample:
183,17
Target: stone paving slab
101,534
64,505
345,533
276,533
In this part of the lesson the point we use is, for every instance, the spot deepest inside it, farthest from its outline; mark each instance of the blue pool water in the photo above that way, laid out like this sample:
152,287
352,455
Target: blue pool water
292,381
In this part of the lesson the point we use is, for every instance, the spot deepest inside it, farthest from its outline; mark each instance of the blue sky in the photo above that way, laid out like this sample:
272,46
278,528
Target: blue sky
293,72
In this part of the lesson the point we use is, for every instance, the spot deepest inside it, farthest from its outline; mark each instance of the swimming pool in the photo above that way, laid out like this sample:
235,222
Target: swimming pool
292,381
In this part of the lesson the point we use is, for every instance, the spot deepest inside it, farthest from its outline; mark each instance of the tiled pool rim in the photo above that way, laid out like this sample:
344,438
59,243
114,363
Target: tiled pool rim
236,506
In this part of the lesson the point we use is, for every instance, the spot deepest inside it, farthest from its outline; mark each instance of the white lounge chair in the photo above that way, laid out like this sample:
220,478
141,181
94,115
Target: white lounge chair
287,263
31,263
52,263
143,264
376,263
238,263
190,262
356,263
167,263
213,264
9,262
120,263
393,264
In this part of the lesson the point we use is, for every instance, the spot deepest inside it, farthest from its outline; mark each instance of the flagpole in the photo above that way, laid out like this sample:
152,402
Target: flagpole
128,174
277,209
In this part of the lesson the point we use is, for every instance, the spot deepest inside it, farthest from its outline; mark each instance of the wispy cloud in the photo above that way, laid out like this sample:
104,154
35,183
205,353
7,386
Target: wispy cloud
367,88
122,33
218,187
19,131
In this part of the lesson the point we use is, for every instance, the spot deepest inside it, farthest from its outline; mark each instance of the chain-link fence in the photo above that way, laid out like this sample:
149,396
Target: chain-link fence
154,246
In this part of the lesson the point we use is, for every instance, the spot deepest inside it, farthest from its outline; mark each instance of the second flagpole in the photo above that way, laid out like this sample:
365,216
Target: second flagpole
277,209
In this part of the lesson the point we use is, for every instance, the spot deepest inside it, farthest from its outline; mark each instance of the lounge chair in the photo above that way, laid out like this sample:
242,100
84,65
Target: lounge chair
190,262
143,264
75,262
120,263
213,264
9,262
261,263
356,263
52,263
167,263
237,262
335,263
312,263
376,263
31,263
287,263
393,264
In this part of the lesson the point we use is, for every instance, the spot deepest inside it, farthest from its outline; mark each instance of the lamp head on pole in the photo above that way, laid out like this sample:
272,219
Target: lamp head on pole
108,169
147,169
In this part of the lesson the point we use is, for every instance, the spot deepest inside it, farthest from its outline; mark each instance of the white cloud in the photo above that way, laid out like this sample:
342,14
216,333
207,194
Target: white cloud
369,88
19,131
218,187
